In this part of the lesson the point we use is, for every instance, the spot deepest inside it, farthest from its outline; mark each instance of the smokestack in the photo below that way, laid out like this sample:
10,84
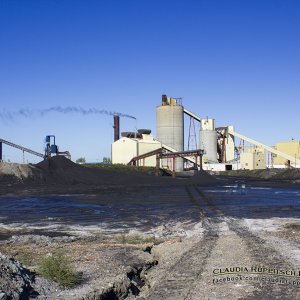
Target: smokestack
116,127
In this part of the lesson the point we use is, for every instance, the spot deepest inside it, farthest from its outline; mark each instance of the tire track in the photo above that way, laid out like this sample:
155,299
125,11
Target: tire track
262,253
186,272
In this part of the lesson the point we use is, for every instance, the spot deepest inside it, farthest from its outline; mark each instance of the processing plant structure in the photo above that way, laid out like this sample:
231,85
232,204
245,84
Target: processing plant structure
215,148
50,149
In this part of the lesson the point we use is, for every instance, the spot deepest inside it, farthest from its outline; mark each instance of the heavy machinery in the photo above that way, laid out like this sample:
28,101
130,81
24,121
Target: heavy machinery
52,148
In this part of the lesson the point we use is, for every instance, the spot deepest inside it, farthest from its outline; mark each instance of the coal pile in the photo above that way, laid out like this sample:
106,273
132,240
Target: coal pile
60,175
266,174
289,174
203,178
61,170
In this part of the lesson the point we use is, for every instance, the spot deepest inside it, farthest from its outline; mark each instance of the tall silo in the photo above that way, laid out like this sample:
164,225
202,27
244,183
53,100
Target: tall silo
170,127
208,140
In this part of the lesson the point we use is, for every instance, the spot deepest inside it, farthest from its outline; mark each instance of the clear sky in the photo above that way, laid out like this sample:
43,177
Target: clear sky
235,61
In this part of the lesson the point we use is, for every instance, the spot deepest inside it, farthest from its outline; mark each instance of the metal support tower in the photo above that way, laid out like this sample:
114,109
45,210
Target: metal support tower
192,141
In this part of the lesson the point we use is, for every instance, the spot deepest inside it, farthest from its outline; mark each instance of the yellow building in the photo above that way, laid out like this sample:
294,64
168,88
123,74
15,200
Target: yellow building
253,158
128,147
291,148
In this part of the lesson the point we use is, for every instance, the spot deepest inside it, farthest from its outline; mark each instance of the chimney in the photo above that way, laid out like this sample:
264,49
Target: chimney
116,127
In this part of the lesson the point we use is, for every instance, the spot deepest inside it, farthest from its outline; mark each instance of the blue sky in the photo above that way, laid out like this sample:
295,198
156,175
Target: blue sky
235,61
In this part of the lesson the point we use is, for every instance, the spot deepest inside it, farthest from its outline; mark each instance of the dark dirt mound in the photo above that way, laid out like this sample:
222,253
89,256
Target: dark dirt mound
203,178
289,174
56,163
256,174
266,174
63,171
202,174
60,175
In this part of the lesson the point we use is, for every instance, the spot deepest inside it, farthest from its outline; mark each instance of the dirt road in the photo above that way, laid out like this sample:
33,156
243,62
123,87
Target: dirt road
194,272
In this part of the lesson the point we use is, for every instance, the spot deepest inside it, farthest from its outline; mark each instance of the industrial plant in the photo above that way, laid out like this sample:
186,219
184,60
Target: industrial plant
176,149
215,148
50,148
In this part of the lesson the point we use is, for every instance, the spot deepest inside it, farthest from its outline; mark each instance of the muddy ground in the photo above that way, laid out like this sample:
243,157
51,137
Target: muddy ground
218,255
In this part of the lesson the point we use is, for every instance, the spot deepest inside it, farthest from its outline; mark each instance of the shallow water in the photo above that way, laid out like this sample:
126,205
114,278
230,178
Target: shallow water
256,202
115,210
147,208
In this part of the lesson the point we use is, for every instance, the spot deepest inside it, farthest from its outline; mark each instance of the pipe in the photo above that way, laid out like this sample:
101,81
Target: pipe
116,127
0,151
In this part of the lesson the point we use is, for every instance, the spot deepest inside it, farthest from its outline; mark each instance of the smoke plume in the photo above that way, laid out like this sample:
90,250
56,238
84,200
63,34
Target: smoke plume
29,113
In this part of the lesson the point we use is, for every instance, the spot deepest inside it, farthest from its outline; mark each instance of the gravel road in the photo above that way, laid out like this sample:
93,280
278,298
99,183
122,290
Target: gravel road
226,242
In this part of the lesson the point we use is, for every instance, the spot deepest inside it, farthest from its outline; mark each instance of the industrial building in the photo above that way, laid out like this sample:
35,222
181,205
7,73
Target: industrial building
253,158
216,146
133,144
291,148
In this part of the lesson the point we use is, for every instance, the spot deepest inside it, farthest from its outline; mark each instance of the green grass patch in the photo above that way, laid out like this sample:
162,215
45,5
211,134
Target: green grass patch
57,267
27,259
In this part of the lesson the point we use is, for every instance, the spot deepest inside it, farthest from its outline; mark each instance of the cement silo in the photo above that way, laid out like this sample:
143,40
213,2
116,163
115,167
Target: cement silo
208,140
170,127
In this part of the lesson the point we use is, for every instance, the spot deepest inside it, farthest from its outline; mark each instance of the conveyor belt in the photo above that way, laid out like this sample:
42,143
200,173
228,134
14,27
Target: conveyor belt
19,147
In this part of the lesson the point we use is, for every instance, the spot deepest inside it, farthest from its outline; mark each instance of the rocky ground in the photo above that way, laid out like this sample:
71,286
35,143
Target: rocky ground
177,267
176,261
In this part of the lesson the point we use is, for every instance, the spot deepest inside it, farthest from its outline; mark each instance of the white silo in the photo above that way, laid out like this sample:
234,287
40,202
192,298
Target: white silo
170,127
208,140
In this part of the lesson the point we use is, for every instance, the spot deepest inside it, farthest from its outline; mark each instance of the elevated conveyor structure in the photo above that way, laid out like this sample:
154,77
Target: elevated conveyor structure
188,158
18,147
134,160
183,154
267,148
189,113
165,149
